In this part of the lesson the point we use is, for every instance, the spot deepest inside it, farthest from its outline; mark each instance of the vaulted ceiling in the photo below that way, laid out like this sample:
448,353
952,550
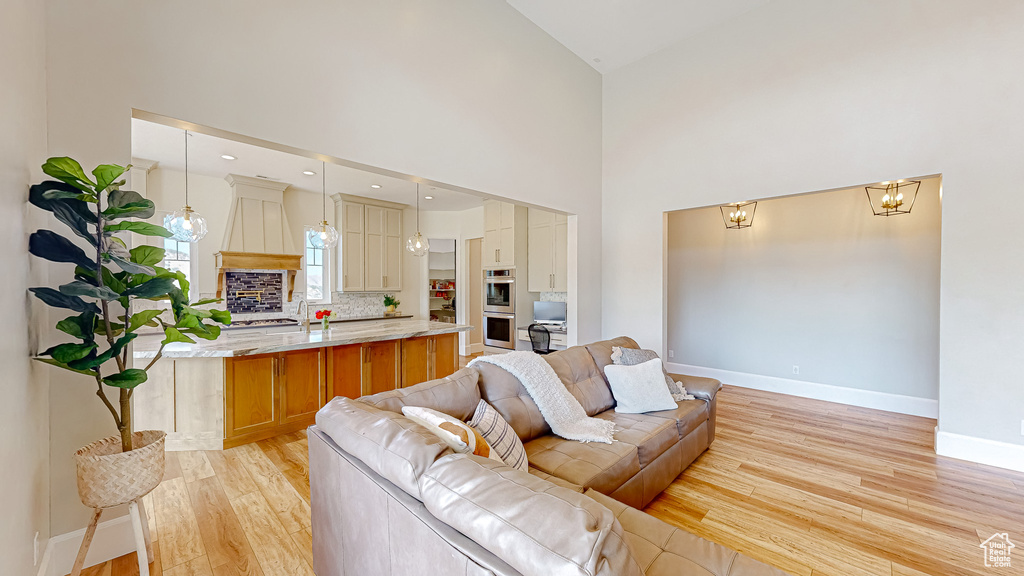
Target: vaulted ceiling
608,34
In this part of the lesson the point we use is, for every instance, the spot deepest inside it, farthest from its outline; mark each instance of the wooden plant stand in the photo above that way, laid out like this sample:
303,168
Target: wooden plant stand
140,526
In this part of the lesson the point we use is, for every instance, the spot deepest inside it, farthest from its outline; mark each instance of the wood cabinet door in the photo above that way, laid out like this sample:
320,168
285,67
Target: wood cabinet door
381,366
560,267
446,355
489,248
393,248
540,256
352,247
345,371
302,386
250,394
374,263
416,360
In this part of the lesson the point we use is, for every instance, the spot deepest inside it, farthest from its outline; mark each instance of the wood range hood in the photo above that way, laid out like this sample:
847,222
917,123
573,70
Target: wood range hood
290,264
257,236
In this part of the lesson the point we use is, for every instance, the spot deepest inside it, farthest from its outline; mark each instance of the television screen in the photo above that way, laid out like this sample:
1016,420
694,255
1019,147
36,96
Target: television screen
549,312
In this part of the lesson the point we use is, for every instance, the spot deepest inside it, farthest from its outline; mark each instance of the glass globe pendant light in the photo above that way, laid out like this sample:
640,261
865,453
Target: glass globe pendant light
186,225
323,235
416,243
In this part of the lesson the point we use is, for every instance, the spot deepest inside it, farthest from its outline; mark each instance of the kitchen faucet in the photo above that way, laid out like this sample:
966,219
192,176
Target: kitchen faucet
305,324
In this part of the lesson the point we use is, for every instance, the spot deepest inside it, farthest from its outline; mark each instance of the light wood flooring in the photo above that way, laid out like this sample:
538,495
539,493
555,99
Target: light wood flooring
808,486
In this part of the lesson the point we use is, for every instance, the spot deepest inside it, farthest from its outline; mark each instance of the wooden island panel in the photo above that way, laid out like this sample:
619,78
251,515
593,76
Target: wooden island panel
303,384
250,397
270,394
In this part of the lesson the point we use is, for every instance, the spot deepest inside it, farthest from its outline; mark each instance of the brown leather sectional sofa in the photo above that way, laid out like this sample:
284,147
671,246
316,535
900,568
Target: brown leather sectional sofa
388,497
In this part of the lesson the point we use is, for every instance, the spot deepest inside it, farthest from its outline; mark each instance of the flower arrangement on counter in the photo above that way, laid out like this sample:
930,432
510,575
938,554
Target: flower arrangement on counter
324,316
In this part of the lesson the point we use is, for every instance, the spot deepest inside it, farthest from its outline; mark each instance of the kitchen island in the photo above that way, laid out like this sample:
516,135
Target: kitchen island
245,387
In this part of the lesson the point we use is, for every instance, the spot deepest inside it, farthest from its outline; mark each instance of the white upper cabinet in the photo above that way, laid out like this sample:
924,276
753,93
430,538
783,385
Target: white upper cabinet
548,247
371,245
353,248
499,244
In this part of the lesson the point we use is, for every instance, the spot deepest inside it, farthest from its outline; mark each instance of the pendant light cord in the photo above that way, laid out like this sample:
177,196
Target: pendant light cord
323,174
417,208
186,167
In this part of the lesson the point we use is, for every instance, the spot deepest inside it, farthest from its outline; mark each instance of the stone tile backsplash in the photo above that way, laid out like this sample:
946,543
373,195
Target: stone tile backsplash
249,292
554,296
343,305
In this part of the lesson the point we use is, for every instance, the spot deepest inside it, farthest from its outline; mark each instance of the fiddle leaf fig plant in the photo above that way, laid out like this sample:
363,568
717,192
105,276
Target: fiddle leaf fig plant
108,278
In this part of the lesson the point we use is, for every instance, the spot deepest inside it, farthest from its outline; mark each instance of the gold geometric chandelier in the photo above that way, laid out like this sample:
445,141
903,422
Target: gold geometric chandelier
892,197
741,215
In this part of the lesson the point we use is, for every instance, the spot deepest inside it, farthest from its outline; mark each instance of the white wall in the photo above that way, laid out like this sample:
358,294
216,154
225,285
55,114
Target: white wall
24,421
801,95
462,92
211,198
817,282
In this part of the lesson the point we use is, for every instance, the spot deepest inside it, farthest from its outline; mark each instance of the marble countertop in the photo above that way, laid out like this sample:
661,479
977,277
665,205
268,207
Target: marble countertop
244,344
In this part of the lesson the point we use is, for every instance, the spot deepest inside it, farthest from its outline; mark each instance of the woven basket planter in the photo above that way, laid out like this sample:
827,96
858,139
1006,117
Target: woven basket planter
108,477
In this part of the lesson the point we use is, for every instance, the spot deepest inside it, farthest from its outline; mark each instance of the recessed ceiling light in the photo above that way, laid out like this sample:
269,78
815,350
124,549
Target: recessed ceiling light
428,197
228,157
309,173
374,185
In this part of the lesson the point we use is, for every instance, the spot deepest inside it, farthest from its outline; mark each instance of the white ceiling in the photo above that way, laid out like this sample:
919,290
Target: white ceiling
618,32
166,145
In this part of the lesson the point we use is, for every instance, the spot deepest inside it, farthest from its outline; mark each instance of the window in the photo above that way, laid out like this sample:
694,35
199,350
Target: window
317,289
178,257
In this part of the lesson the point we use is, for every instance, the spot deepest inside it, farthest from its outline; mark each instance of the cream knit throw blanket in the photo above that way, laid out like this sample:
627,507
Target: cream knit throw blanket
559,407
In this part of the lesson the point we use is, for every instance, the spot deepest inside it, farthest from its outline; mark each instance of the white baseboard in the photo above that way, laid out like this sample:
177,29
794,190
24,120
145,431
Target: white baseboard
851,396
980,450
113,538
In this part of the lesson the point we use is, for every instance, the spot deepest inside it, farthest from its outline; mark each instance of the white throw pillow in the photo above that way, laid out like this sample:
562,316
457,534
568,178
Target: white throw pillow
639,388
460,436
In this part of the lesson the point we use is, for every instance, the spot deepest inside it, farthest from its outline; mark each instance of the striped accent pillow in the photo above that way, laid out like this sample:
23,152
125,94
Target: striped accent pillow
501,437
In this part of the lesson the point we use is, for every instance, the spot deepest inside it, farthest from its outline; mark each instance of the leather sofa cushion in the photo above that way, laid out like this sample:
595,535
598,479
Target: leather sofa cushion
651,435
601,352
703,388
506,394
581,376
556,480
498,507
390,444
603,467
457,395
664,550
689,415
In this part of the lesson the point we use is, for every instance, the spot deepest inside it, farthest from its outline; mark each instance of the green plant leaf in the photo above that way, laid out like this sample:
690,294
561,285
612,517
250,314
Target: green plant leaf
206,331
172,334
222,316
128,379
70,171
143,228
38,196
132,267
128,204
54,298
56,248
151,288
93,360
147,255
81,326
106,174
206,301
143,318
53,362
65,353
80,288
